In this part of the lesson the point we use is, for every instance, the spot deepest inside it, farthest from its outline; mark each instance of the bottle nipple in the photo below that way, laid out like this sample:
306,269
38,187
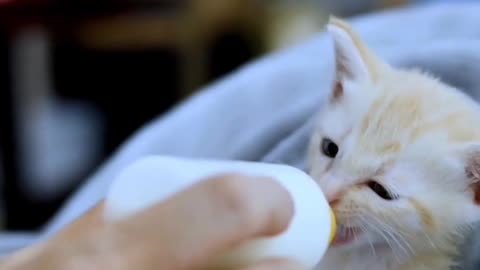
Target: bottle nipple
333,226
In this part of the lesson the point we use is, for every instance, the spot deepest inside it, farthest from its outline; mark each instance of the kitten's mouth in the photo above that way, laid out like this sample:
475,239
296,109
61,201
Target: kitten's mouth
345,235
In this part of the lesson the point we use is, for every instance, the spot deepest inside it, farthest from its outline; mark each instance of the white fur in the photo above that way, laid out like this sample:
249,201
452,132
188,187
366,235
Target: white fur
410,133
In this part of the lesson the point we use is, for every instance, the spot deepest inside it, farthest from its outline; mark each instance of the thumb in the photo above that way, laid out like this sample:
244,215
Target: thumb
276,264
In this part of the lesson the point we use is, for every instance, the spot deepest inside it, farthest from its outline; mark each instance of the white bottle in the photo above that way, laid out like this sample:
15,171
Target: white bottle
153,179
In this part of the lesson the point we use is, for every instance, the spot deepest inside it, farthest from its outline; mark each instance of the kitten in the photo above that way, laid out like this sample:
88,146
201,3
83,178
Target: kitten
397,153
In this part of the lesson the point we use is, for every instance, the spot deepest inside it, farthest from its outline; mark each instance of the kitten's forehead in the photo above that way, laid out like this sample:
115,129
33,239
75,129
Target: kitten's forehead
411,107
339,119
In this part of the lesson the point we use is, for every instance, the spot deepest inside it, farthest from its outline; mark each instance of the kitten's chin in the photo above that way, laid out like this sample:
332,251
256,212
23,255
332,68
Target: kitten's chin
345,236
352,238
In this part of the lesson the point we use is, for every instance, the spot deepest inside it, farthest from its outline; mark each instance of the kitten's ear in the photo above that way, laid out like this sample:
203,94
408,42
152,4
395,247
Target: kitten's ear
353,60
471,158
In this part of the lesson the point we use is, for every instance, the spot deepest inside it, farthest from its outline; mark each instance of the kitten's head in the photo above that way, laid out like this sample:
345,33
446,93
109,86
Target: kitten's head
397,153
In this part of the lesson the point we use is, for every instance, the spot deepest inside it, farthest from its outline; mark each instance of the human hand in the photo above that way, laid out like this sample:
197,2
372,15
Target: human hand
185,232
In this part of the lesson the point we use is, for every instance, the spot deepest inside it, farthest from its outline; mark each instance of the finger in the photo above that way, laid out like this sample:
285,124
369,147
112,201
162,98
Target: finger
89,221
74,247
199,223
277,264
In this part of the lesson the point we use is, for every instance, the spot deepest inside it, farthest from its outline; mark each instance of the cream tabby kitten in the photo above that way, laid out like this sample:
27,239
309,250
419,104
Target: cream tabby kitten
397,153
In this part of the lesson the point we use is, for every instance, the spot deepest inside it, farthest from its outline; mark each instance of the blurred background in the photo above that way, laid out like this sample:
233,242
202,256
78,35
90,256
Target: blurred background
77,77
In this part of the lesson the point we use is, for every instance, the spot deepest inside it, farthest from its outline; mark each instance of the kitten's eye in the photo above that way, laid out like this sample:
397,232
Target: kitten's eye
329,148
381,191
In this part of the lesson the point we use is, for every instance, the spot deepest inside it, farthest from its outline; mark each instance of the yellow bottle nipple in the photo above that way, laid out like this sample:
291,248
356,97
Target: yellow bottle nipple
333,226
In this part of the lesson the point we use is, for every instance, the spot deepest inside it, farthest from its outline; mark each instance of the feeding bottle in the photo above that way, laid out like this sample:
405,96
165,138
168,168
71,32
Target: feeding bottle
153,179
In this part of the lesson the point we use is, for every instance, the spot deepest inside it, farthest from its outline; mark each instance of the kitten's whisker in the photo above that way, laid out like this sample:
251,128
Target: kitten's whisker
398,227
351,231
400,234
370,242
382,234
386,230
396,233
430,240
396,239
403,242
400,237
